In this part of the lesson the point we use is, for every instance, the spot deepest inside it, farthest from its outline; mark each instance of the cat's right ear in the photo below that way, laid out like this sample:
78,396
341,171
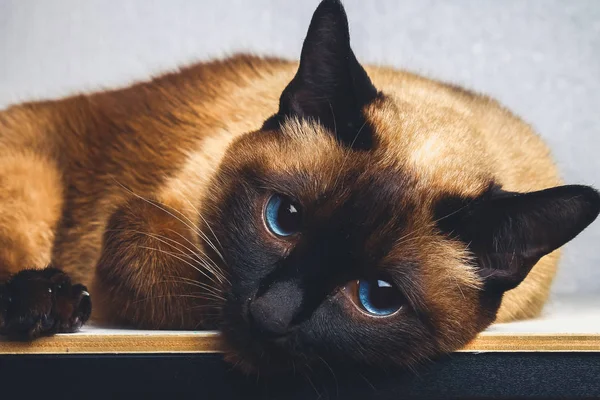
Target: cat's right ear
509,232
330,86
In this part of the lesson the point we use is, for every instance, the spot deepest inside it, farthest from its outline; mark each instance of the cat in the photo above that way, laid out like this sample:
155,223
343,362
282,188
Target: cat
311,210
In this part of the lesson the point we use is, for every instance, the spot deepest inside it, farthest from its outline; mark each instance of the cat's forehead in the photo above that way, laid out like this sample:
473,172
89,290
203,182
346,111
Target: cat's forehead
310,163
411,161
436,146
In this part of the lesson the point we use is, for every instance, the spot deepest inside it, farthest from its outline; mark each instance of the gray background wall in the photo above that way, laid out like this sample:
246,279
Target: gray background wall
541,58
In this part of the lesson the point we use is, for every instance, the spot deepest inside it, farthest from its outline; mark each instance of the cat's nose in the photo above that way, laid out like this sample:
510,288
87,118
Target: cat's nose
272,313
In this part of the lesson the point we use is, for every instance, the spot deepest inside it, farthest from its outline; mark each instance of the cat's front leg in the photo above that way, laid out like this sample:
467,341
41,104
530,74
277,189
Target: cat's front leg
153,272
39,302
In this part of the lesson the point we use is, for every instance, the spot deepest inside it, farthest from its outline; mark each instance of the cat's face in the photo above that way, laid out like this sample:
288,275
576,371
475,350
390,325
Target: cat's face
334,249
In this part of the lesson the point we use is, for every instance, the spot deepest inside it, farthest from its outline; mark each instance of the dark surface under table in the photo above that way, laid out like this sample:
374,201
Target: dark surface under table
207,376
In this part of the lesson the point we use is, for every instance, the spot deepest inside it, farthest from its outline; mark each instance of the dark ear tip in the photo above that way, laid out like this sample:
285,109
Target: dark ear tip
587,199
331,6
332,3
588,194
592,196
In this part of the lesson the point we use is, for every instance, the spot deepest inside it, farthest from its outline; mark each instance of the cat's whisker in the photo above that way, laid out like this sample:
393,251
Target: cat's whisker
217,271
368,382
214,268
169,296
160,238
204,220
194,245
157,205
306,375
195,257
197,325
207,296
337,388
205,306
163,240
204,237
184,278
196,295
199,253
189,224
200,285
199,231
184,261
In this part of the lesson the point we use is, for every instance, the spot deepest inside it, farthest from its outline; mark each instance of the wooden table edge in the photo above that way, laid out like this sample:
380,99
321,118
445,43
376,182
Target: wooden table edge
204,342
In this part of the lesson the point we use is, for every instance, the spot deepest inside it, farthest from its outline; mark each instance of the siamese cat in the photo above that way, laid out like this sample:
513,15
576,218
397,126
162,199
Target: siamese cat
308,210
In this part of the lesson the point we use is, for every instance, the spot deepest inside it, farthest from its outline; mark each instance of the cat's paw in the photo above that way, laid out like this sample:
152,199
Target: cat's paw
42,302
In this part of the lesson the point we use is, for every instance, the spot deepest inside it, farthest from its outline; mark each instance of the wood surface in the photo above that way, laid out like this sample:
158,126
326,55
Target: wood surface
105,342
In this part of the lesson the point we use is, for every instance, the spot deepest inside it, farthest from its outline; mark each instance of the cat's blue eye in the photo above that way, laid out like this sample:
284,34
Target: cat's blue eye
283,216
379,297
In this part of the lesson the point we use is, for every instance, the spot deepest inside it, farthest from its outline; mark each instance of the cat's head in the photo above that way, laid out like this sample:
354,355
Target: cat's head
339,246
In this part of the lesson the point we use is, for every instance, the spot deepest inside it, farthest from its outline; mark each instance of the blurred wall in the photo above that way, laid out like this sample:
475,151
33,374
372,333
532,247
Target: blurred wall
541,58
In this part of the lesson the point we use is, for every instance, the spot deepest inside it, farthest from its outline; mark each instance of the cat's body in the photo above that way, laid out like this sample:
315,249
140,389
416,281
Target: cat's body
114,188
163,140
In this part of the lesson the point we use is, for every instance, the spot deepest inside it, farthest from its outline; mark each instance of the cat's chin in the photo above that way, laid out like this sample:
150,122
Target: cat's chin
253,354
240,363
263,363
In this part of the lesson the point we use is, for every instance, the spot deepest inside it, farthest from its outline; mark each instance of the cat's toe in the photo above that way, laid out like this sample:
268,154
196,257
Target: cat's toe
80,310
42,302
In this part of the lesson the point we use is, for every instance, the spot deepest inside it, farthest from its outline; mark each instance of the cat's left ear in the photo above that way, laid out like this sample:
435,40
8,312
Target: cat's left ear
330,85
509,232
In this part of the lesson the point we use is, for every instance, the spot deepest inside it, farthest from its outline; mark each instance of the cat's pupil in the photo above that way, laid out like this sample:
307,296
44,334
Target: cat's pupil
288,216
283,216
383,295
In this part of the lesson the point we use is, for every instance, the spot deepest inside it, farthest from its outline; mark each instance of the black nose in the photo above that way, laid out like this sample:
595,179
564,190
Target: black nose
272,313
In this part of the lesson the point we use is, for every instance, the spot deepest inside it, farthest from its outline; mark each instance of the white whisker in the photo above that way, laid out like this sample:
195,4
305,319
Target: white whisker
205,221
193,282
218,272
190,224
171,296
182,260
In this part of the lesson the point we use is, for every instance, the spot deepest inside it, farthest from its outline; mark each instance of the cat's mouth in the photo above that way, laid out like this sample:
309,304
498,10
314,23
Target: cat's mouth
256,352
